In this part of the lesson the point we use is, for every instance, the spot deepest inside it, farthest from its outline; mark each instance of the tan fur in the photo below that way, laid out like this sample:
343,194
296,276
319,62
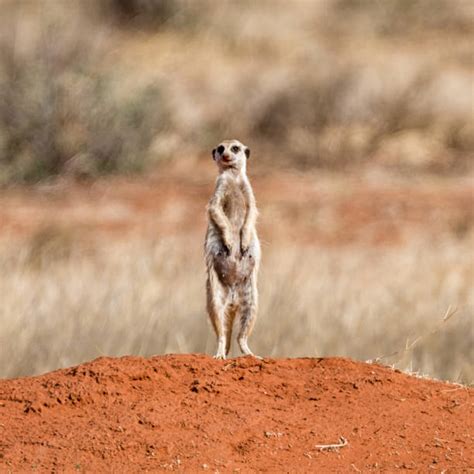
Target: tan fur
232,249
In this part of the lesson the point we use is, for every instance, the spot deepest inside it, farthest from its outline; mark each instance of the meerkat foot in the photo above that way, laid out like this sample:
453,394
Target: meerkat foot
244,347
251,354
220,354
254,356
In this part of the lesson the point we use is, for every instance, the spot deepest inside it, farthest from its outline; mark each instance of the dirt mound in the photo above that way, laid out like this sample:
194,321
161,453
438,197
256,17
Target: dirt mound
191,413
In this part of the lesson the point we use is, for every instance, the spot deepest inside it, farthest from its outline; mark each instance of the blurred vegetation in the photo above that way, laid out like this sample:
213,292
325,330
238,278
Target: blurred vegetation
400,17
60,111
329,84
149,14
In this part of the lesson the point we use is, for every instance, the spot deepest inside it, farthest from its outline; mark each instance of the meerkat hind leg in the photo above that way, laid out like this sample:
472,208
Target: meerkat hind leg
221,340
222,335
217,314
225,322
247,316
229,322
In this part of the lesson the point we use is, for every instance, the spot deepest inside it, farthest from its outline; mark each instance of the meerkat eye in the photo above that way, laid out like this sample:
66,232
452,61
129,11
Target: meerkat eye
235,149
220,149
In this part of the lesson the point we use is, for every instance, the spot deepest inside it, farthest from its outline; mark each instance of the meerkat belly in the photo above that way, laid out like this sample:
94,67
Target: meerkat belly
234,269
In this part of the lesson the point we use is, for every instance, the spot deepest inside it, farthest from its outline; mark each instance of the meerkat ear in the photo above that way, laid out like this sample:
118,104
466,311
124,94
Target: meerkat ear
247,153
214,154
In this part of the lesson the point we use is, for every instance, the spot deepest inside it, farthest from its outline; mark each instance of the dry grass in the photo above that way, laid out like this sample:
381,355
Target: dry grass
64,302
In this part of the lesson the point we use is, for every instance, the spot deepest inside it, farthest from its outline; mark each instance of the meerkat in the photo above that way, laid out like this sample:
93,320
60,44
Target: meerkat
232,249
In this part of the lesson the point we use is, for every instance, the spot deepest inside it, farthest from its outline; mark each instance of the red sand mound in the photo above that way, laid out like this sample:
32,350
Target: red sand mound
191,413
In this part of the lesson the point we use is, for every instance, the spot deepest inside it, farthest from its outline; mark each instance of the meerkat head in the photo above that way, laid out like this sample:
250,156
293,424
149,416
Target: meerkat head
231,154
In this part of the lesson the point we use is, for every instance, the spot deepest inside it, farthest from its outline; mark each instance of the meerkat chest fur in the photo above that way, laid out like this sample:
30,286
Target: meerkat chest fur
234,206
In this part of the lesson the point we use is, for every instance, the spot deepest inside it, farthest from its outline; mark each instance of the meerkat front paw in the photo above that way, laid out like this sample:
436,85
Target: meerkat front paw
225,252
244,250
227,248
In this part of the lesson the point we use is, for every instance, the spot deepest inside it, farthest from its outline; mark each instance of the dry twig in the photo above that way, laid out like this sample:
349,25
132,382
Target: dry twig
329,447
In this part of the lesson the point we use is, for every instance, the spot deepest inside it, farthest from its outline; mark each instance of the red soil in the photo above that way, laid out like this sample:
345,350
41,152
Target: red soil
191,413
304,209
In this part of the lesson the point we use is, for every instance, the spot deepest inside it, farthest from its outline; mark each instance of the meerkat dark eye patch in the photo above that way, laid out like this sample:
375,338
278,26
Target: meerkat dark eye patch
220,149
235,149
247,153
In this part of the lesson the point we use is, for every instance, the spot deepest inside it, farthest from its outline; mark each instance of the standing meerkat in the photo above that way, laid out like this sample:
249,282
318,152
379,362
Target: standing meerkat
232,249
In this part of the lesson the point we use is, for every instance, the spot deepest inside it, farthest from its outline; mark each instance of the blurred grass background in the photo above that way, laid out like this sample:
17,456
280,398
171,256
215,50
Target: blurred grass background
62,305
322,90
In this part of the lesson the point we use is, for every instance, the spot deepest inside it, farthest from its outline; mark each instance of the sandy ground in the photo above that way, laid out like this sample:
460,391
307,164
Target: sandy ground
191,413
